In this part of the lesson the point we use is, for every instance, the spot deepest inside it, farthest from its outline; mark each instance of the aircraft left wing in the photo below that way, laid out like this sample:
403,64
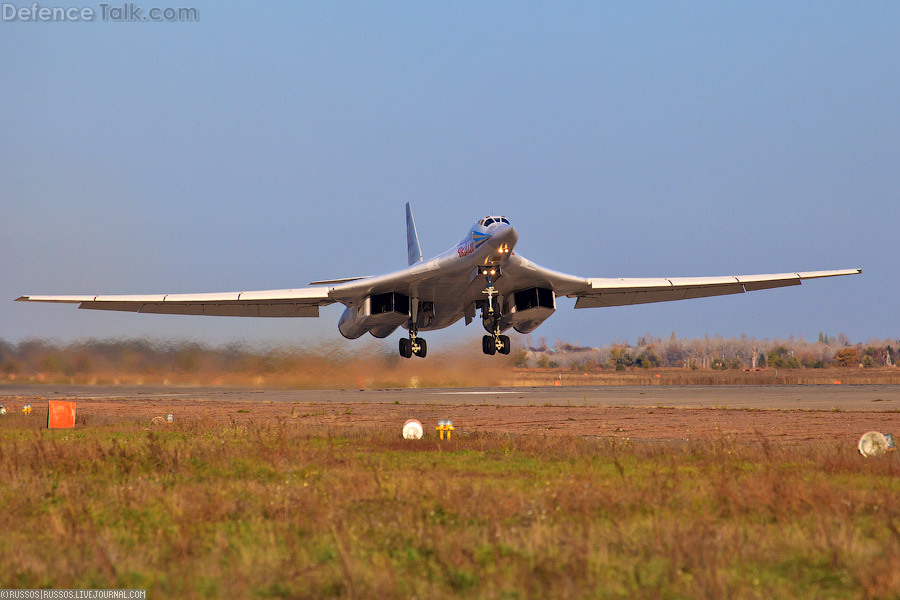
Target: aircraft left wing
621,292
601,292
301,302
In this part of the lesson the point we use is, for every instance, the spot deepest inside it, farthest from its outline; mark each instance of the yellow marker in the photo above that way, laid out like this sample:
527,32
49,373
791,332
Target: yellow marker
26,409
444,425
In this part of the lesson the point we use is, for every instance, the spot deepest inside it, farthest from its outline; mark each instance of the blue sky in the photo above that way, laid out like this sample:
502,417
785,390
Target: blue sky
267,146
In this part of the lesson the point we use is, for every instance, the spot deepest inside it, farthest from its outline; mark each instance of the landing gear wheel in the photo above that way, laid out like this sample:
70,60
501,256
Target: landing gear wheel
488,345
423,348
504,345
405,347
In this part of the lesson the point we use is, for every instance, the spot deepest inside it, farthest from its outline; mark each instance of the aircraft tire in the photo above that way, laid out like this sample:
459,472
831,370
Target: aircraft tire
423,348
487,345
506,345
405,347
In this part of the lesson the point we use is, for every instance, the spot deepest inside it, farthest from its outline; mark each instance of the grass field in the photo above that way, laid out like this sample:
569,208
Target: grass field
272,509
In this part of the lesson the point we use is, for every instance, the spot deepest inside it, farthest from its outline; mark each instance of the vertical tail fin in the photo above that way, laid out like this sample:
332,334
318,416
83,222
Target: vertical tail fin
412,239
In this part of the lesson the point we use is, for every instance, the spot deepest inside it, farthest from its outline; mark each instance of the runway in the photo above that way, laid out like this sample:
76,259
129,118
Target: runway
806,397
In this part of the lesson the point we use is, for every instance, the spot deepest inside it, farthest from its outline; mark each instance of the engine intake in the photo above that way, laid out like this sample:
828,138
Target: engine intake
529,308
379,314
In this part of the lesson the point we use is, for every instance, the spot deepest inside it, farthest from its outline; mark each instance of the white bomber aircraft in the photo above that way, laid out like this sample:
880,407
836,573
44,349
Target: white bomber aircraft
480,273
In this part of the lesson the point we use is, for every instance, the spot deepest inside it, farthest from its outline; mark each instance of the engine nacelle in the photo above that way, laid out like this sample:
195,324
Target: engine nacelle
526,309
379,315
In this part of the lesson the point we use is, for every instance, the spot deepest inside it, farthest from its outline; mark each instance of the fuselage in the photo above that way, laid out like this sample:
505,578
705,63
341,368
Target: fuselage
447,286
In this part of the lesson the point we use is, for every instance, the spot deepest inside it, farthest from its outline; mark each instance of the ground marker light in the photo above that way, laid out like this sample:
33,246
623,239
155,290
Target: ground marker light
412,430
444,425
875,443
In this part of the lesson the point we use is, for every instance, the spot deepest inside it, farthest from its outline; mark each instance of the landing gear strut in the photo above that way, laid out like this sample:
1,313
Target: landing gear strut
491,344
413,344
490,273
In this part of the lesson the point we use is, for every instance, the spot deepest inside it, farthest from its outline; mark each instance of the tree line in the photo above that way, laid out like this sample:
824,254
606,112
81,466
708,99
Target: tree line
713,352
141,356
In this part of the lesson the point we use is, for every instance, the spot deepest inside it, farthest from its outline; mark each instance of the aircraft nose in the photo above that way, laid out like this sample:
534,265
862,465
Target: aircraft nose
506,235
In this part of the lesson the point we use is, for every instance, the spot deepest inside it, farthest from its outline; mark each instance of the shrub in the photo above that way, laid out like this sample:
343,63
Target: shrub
846,357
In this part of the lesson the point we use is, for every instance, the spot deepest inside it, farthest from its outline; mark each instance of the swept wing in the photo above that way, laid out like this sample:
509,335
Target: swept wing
596,292
301,302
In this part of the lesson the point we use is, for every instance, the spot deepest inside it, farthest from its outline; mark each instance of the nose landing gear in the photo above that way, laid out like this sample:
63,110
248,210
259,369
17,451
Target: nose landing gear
491,344
490,314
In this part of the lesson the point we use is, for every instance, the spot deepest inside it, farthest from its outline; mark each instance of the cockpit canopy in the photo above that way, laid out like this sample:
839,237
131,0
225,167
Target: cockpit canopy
492,219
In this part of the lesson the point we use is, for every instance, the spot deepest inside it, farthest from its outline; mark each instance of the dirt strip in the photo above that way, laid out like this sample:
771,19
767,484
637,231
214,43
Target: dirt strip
638,423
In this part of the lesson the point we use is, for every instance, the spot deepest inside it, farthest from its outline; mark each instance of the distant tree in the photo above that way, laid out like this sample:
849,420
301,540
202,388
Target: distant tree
519,359
647,340
54,362
10,368
879,356
620,358
783,358
82,364
673,355
648,358
846,357
777,357
718,364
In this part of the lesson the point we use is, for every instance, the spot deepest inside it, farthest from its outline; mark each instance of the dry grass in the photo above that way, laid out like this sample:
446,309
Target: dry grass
206,508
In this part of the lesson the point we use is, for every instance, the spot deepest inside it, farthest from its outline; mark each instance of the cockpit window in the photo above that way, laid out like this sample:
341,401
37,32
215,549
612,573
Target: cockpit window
504,220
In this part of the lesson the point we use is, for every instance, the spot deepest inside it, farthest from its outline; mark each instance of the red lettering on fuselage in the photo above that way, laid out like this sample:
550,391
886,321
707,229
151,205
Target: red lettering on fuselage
465,249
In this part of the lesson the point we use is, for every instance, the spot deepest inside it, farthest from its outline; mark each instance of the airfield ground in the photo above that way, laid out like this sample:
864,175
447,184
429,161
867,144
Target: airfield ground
643,492
794,413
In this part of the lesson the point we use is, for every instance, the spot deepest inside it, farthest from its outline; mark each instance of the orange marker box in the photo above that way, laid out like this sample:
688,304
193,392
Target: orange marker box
61,415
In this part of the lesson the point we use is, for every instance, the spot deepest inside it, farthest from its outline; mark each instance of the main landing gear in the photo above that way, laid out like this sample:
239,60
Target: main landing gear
413,345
